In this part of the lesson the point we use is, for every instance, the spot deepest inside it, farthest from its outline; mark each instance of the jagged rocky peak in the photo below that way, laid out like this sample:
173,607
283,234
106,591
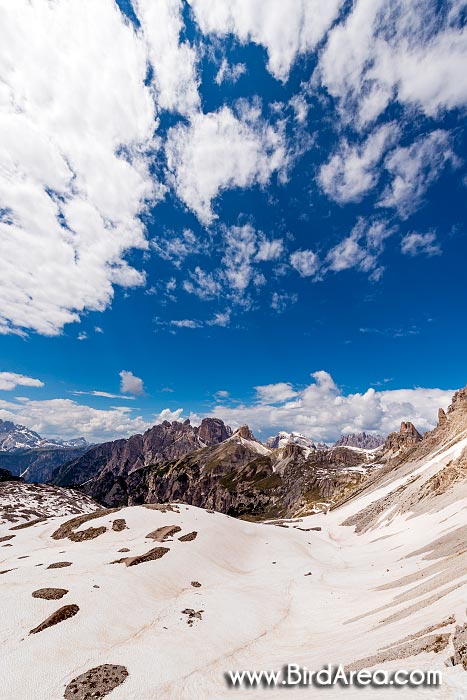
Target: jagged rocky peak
364,441
293,450
459,401
442,418
244,432
408,436
213,431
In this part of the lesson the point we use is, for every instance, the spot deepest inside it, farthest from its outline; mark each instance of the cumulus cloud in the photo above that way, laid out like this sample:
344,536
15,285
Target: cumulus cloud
10,380
275,393
286,28
169,415
216,151
173,62
420,244
130,384
66,418
353,170
411,51
414,168
323,411
77,123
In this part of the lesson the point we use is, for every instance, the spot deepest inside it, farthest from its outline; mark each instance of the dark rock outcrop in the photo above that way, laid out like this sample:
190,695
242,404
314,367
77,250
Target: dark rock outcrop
38,465
6,475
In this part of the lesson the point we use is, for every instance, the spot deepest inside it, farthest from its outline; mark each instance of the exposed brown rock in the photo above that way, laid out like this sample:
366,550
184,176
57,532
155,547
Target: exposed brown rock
96,683
59,615
162,533
188,538
59,565
67,529
119,524
50,593
459,642
152,555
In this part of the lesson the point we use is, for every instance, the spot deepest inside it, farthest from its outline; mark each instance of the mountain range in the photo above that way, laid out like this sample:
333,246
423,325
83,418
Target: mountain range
94,595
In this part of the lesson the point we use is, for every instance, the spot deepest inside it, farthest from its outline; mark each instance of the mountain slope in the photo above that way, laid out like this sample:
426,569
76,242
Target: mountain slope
240,477
379,582
38,465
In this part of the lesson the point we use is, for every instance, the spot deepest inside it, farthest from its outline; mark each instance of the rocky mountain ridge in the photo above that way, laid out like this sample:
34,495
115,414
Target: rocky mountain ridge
364,441
18,437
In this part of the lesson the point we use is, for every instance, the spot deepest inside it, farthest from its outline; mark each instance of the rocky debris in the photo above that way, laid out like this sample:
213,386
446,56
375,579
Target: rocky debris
23,526
159,444
50,593
59,615
59,565
196,584
29,504
6,538
119,524
192,615
152,555
96,683
188,538
162,533
459,642
68,529
364,441
124,549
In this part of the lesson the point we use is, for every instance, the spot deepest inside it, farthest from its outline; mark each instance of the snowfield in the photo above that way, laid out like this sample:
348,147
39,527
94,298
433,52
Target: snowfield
385,592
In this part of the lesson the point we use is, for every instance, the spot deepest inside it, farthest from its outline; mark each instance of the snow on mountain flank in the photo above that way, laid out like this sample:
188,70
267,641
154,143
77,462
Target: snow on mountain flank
160,601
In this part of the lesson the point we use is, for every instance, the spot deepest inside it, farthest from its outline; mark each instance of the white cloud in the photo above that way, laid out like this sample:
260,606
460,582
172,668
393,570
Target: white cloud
176,248
130,384
76,127
220,319
361,249
280,301
10,380
203,284
102,394
420,244
270,250
168,414
323,412
186,323
306,262
275,393
216,151
82,336
414,168
390,49
173,63
66,418
286,28
352,171
229,73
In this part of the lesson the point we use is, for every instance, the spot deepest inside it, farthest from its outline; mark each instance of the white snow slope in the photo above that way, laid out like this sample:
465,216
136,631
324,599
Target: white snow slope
260,608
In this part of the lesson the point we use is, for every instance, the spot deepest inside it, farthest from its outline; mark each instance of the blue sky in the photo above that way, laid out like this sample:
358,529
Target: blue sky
248,209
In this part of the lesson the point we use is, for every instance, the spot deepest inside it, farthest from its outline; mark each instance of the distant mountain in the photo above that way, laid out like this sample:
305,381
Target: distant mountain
364,441
282,439
38,464
157,445
19,437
